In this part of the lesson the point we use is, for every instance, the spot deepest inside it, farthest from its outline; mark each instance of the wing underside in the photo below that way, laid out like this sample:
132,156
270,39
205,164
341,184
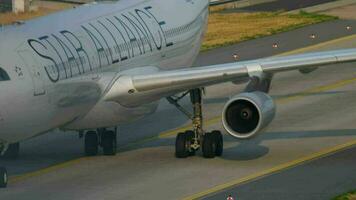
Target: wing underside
132,90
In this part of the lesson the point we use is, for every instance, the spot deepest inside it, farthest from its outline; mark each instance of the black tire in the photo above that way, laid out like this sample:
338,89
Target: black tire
3,177
182,148
108,142
12,151
91,143
190,136
209,145
219,143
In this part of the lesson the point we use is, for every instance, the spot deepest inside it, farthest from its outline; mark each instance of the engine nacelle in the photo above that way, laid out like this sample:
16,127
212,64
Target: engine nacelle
307,70
247,114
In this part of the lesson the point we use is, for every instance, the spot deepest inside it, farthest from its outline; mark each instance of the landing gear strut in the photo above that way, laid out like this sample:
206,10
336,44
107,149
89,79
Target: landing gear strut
100,138
188,142
11,151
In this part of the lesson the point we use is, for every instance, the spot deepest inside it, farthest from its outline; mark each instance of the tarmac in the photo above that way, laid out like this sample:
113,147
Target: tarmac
315,117
284,5
324,178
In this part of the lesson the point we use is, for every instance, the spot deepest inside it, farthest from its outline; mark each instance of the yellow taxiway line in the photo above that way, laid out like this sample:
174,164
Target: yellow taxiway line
18,178
272,170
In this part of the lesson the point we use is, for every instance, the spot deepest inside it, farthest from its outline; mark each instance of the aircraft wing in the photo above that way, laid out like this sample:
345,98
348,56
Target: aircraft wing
139,88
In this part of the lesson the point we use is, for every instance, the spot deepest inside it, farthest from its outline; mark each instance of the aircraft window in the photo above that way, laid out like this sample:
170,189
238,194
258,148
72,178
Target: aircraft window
3,75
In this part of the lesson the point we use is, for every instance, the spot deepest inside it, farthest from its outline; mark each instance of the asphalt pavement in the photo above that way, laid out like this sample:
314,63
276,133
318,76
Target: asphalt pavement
322,179
285,5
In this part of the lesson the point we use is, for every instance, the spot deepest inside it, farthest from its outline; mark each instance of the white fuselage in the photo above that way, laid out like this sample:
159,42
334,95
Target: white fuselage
61,65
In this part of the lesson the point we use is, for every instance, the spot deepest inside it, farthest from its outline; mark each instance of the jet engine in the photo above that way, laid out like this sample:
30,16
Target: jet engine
307,70
247,114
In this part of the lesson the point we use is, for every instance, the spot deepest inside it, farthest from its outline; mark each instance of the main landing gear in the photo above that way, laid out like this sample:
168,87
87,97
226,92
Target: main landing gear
10,151
190,141
106,139
3,177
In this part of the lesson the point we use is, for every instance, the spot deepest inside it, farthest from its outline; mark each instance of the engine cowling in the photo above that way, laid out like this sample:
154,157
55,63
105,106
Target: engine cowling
247,114
307,70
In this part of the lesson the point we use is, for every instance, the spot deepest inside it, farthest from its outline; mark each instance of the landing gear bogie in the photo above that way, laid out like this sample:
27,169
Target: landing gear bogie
189,142
106,139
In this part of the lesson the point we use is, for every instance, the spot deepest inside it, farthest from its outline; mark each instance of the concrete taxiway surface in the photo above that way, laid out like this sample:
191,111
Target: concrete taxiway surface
321,179
315,116
285,5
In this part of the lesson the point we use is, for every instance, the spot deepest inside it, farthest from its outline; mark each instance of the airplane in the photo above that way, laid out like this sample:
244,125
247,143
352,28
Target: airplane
98,66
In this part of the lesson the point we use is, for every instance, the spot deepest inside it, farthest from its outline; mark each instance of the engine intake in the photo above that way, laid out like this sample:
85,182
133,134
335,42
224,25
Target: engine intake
247,114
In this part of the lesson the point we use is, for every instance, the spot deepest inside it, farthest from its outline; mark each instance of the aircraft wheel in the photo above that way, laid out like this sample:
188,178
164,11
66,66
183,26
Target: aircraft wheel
190,137
3,177
12,151
108,142
183,141
209,145
91,143
219,143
